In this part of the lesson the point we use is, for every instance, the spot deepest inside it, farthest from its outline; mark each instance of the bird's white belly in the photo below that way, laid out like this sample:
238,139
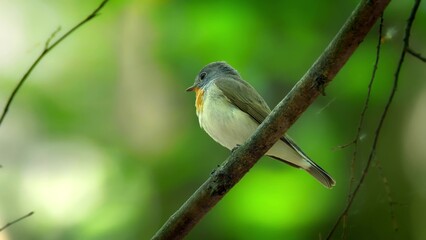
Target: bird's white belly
224,122
230,126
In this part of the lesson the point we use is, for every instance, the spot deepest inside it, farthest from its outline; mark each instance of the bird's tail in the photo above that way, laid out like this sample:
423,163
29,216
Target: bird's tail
312,168
316,171
320,174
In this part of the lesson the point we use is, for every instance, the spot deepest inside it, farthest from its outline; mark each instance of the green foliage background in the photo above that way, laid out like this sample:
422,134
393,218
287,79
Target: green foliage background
102,142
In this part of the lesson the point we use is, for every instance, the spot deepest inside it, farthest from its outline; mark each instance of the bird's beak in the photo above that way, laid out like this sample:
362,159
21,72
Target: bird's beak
191,88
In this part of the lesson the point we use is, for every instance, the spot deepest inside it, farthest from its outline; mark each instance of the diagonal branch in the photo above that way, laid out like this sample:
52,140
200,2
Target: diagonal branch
277,123
416,54
15,221
46,50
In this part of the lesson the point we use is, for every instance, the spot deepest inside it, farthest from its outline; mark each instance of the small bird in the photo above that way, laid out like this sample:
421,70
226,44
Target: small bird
229,109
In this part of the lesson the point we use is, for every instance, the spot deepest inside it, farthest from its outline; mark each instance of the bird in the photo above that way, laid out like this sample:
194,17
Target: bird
229,109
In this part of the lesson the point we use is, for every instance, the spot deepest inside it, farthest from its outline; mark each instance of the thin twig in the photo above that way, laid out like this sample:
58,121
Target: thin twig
367,100
15,221
382,118
47,49
46,45
416,54
277,123
362,117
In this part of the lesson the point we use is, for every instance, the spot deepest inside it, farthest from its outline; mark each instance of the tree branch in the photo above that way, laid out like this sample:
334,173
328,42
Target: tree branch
383,116
416,54
47,49
15,221
277,123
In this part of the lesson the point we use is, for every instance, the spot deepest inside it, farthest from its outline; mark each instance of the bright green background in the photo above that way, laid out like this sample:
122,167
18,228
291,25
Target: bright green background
102,142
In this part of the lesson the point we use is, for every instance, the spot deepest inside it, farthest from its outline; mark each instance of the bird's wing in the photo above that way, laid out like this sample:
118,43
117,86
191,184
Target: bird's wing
244,97
248,100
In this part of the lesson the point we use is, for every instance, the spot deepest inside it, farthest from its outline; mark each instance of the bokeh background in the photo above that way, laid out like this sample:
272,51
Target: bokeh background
102,142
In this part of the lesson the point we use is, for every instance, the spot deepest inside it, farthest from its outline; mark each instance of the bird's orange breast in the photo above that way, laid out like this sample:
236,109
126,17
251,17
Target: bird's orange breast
199,93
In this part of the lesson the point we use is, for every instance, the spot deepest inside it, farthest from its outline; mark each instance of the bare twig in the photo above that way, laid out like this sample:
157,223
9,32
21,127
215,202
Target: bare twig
416,54
382,118
15,221
362,117
367,101
47,49
46,45
277,123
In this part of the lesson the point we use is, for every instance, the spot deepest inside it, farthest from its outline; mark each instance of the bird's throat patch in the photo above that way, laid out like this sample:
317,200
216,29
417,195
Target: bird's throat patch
199,93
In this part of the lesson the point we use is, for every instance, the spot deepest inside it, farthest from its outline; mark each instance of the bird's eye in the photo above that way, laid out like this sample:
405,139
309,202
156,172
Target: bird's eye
203,75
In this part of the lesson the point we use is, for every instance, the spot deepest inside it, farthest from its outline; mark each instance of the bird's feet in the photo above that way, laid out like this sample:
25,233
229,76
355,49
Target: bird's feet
235,148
